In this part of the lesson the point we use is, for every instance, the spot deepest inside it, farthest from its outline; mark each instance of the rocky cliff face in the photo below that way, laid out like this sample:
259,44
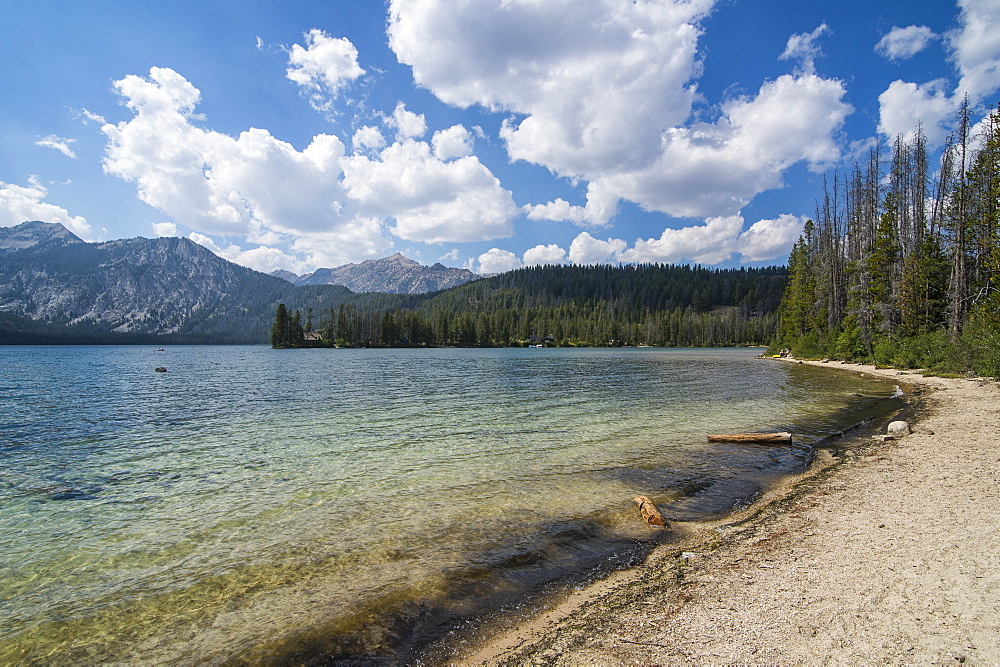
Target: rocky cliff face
154,286
393,275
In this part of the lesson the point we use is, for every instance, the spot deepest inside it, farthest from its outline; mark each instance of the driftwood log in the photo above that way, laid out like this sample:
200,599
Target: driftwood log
649,513
761,438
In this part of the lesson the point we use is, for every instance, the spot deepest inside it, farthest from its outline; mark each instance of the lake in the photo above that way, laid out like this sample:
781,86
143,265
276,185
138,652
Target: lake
252,504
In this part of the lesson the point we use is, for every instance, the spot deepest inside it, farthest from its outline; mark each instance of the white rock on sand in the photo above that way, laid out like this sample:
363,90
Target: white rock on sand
892,556
897,429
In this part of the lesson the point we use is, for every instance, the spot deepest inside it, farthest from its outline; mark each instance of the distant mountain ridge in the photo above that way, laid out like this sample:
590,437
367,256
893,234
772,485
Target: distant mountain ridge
391,275
160,287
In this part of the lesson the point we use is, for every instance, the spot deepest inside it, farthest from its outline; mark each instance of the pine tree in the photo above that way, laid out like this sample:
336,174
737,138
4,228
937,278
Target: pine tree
343,329
923,289
883,267
984,222
798,305
295,332
957,225
279,335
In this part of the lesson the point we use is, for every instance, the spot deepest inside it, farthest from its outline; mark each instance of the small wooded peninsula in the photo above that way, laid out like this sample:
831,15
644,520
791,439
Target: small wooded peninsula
651,304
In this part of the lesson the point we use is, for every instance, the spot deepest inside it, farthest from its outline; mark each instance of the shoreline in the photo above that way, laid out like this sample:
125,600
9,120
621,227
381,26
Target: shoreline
888,553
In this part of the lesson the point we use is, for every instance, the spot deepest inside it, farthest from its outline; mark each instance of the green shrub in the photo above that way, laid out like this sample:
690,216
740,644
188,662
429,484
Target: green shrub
849,346
932,350
980,347
811,346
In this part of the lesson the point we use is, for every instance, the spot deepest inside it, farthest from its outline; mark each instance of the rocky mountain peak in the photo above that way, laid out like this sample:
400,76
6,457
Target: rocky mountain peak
398,258
397,274
33,233
285,275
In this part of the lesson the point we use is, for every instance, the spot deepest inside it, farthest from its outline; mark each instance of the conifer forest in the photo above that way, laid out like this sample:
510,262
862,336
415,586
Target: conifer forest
651,304
901,266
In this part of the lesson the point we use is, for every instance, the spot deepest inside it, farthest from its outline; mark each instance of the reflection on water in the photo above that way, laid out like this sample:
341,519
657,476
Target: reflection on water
258,504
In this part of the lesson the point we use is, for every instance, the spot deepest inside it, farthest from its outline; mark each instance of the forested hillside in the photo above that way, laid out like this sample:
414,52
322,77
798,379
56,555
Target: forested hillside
902,264
563,305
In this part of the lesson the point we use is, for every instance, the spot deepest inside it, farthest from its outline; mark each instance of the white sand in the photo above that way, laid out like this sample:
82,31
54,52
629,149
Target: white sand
892,556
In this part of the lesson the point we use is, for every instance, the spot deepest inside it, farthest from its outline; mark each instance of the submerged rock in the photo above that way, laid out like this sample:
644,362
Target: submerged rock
898,429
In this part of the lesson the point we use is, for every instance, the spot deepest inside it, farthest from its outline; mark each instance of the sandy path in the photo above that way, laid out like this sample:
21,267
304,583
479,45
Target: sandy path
893,556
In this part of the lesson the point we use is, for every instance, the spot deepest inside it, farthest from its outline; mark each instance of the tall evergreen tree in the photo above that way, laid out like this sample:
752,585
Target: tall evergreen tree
957,222
279,331
883,266
984,222
798,309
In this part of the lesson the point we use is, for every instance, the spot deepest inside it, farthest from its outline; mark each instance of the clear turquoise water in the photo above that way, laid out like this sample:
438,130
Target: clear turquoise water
253,504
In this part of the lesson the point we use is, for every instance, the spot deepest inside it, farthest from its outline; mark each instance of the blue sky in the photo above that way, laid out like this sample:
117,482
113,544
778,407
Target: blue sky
487,134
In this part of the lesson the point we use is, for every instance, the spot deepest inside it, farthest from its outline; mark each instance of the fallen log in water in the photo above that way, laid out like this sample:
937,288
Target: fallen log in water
761,438
649,513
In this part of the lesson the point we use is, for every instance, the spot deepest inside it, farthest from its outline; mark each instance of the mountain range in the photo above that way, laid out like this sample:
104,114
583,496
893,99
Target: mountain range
392,275
53,285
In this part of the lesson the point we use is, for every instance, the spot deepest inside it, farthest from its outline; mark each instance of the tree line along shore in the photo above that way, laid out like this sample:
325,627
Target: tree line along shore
655,305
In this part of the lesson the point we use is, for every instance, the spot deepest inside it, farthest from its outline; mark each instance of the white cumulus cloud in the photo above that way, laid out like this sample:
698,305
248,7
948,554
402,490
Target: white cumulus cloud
903,43
431,200
713,170
600,208
262,258
585,249
164,229
323,67
19,203
715,241
213,182
974,51
541,255
770,239
711,243
495,260
904,106
976,48
803,47
593,83
602,93
408,125
328,205
454,142
362,237
368,138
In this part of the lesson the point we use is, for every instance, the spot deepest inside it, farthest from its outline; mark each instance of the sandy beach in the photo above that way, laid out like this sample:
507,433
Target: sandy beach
888,554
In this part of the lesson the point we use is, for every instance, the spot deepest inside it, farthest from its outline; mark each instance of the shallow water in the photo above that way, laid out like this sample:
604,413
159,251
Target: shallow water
258,504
